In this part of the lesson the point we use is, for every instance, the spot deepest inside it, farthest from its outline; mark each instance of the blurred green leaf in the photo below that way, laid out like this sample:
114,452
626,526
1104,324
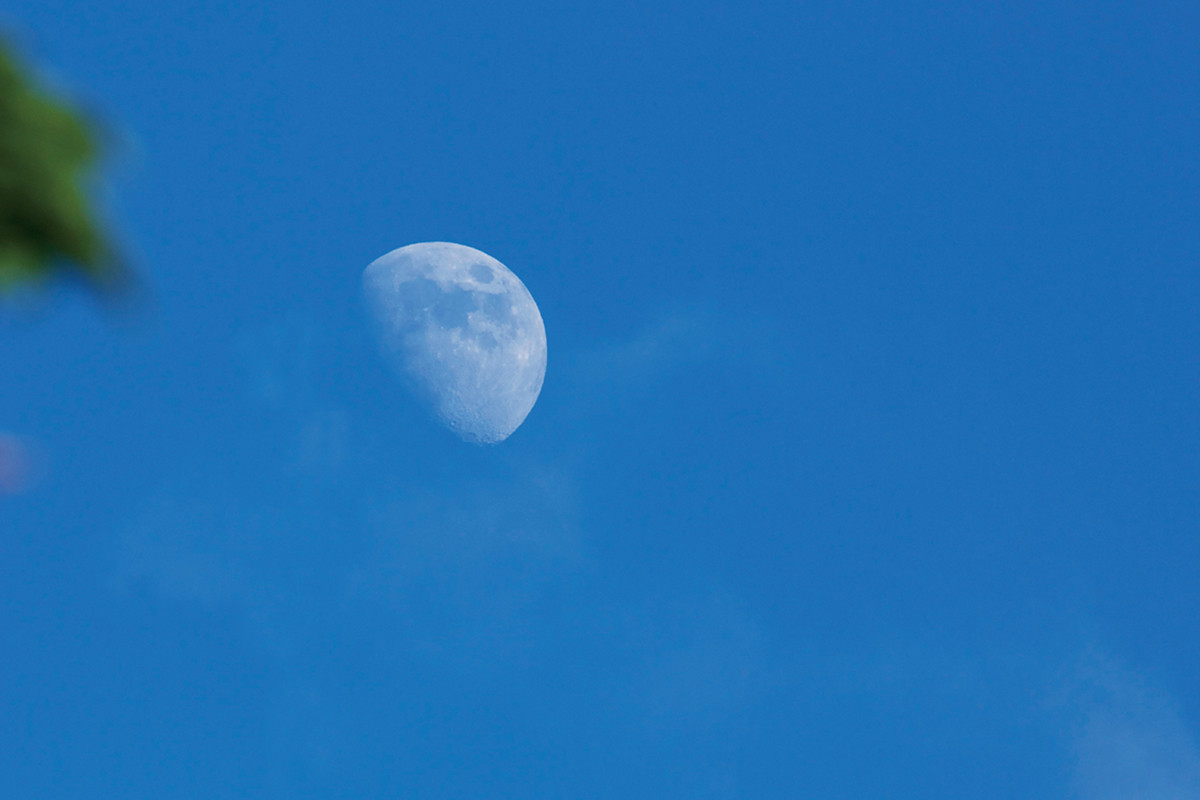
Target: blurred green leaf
47,151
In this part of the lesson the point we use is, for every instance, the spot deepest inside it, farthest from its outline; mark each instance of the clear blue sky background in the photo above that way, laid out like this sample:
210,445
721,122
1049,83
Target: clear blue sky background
867,461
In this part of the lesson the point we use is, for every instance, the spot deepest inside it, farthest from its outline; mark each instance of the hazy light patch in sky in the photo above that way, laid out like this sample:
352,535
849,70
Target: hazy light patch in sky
1132,742
184,552
18,464
671,339
701,659
464,567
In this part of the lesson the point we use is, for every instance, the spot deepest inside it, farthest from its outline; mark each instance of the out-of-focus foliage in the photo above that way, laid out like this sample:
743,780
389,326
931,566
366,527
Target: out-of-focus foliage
47,150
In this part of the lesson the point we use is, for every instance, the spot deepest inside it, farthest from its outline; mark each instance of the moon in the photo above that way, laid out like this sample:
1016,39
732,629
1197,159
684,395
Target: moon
463,333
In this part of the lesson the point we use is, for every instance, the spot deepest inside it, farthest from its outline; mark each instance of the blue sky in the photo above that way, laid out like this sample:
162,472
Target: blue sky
866,463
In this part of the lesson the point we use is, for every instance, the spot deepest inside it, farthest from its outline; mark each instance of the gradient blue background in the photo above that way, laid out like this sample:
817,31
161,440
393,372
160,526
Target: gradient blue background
867,461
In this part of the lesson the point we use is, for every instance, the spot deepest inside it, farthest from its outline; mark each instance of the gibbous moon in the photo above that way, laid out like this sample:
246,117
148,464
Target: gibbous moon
464,334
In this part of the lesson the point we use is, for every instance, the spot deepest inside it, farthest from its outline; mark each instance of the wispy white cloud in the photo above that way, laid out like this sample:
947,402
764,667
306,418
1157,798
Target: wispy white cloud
698,658
177,550
680,337
280,365
323,445
464,566
20,465
279,361
1131,741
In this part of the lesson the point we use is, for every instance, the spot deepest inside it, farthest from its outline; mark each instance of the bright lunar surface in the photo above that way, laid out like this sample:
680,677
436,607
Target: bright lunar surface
463,332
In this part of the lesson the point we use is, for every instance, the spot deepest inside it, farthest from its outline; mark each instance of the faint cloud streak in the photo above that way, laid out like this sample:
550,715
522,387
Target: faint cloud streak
19,465
1131,742
179,554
